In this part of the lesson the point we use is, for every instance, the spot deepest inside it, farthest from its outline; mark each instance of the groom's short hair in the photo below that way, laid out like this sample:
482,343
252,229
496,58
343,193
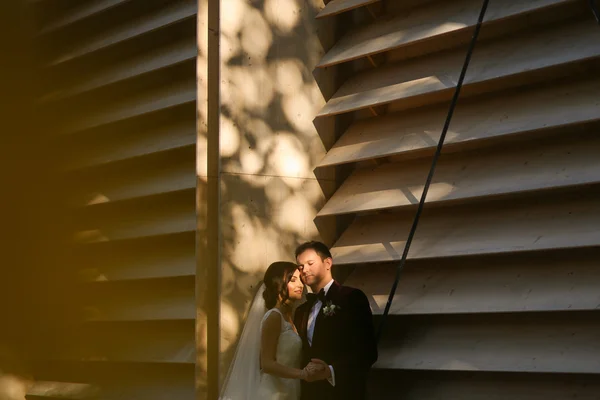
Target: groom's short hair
320,248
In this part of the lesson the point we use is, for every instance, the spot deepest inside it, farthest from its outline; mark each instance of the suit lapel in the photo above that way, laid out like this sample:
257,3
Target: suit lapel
304,327
319,322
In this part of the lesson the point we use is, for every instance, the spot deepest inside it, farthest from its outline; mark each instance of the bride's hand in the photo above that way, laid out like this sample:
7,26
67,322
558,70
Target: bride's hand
310,376
304,374
313,367
313,371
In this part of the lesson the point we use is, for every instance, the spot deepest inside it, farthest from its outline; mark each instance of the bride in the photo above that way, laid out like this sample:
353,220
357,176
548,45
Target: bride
267,362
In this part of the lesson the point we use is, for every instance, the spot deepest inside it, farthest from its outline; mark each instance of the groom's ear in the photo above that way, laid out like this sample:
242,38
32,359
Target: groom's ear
328,262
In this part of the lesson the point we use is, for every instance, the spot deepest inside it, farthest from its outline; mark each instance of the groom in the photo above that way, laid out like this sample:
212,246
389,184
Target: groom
336,326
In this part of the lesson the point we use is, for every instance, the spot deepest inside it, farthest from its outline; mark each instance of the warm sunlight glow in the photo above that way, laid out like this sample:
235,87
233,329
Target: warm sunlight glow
230,137
256,36
98,198
288,158
269,145
256,93
233,17
282,14
299,111
62,389
296,205
437,191
230,47
92,275
12,387
288,76
90,236
230,325
251,161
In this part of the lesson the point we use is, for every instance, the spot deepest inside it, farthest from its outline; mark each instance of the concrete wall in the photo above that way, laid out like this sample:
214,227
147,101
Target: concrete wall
269,146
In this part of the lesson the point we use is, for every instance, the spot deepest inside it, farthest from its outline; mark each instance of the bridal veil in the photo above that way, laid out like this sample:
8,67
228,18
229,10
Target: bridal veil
243,378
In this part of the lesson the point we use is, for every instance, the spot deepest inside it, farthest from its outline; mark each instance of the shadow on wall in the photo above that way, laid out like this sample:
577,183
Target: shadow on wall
31,283
269,145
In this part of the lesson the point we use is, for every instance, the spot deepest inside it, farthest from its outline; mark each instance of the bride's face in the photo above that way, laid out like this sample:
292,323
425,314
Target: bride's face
295,287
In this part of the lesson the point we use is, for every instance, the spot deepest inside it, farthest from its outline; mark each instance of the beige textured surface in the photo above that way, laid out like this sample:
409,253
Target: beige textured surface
269,145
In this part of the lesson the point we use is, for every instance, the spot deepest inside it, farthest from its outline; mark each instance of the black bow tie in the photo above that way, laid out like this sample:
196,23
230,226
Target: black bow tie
314,297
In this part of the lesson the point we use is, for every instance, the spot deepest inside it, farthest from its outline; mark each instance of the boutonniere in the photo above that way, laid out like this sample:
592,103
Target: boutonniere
330,309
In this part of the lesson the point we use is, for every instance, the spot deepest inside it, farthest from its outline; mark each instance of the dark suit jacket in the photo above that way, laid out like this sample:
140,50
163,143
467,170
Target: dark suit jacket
345,341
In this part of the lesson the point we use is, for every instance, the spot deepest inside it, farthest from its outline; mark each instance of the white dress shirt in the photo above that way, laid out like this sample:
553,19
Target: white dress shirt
312,318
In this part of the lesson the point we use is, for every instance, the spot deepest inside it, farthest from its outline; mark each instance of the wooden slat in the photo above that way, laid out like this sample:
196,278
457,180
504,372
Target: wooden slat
107,148
568,161
477,385
335,7
117,381
84,11
565,281
137,342
160,215
151,306
155,257
62,390
551,107
177,12
161,59
422,24
147,176
495,66
124,76
561,343
490,228
136,106
140,301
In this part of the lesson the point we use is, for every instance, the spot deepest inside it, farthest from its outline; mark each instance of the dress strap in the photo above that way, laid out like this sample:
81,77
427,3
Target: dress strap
278,312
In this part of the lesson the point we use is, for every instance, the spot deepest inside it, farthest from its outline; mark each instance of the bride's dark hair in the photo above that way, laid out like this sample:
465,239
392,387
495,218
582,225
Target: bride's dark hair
276,279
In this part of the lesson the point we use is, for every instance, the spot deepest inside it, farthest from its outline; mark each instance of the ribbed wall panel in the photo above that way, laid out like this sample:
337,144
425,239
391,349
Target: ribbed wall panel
427,23
499,297
120,93
496,65
339,6
514,114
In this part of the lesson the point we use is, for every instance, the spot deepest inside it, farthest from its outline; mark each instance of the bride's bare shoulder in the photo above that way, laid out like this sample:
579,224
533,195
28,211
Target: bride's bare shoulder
272,316
273,311
271,323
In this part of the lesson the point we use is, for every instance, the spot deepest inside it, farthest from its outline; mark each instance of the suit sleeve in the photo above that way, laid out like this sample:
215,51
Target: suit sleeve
362,349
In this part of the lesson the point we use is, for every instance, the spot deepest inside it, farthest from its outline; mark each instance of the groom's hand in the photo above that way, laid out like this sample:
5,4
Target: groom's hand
313,370
320,368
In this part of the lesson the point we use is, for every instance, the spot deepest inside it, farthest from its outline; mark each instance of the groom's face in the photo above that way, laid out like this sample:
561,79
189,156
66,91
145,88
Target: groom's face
313,268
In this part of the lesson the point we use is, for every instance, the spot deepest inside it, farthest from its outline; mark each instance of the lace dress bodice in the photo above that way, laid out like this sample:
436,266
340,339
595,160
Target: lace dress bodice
289,353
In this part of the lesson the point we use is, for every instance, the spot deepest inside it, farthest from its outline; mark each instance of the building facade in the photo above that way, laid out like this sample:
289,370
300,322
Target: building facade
184,146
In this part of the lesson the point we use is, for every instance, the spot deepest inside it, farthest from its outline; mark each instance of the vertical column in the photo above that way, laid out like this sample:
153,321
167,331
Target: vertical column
209,243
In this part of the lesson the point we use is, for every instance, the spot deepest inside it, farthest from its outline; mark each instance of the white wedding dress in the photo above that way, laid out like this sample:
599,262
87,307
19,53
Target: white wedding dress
245,380
289,353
